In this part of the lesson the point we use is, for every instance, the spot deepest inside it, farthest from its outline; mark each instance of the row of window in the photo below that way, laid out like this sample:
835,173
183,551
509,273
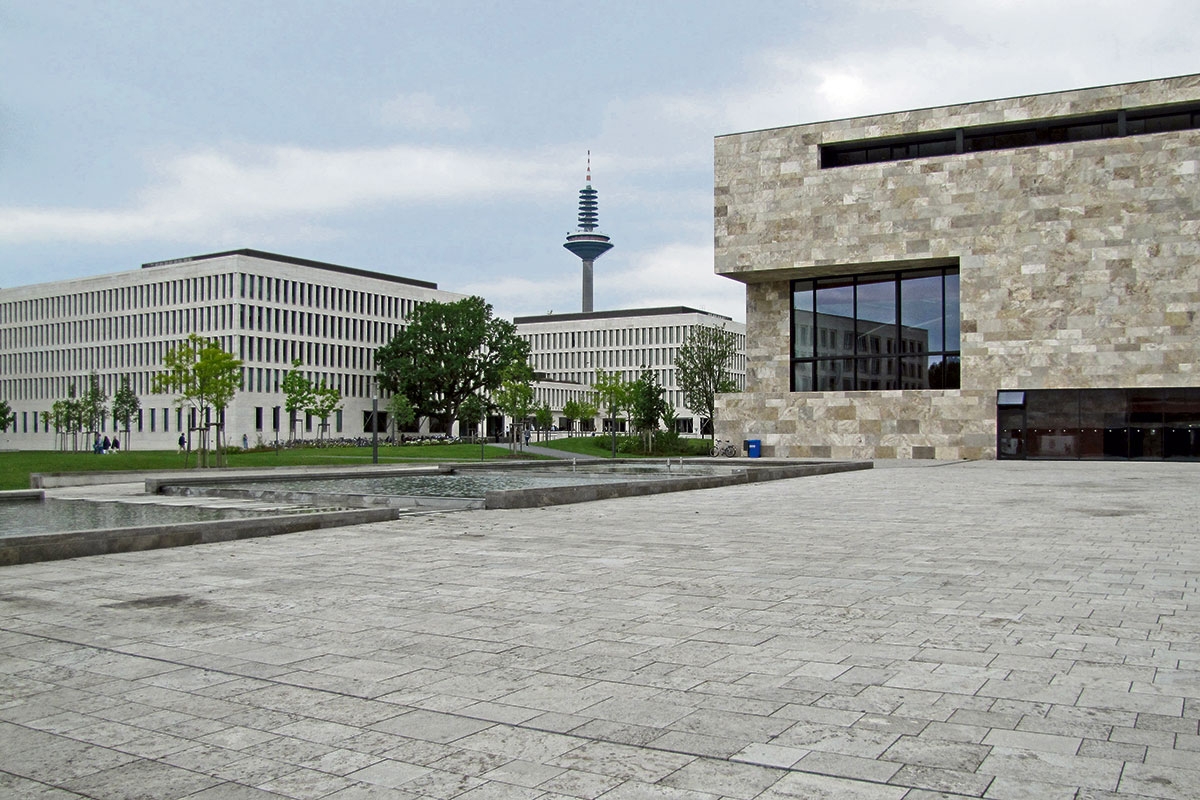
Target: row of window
1104,125
609,338
208,289
876,331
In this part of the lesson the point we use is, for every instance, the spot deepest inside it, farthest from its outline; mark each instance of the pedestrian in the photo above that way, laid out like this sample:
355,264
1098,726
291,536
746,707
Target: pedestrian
116,445
107,443
527,437
245,442
182,442
96,445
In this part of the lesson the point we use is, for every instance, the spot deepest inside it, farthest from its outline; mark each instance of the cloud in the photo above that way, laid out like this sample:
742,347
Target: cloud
676,274
421,111
909,55
203,194
518,297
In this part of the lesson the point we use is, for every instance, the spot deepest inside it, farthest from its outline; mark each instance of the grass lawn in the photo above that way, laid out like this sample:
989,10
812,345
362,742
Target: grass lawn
16,466
602,446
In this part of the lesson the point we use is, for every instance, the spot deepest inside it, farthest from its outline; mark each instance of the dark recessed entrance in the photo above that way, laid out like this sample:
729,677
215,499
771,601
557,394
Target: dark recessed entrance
1099,423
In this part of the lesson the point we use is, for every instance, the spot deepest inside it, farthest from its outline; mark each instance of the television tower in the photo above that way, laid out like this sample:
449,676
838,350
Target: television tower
587,242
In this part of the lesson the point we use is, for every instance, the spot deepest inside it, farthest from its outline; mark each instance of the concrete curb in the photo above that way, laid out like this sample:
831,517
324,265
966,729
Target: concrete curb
74,544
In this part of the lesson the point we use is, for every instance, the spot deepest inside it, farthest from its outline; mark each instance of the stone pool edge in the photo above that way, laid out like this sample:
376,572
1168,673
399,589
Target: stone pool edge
745,473
76,544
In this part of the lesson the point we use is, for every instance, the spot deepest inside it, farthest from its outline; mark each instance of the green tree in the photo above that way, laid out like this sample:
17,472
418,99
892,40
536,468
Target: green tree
322,401
646,406
571,412
588,411
515,398
125,405
297,394
448,352
612,393
204,379
65,417
471,412
544,417
401,412
702,369
7,417
92,406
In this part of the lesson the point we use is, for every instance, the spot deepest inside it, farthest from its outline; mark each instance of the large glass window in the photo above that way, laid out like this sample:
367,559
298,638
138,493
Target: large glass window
894,330
1099,423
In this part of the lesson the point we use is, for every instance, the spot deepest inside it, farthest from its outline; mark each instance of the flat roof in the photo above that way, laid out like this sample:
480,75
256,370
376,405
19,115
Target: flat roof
962,104
300,262
619,313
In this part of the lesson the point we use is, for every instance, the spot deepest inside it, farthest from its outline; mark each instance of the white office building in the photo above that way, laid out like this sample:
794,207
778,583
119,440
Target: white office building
263,308
568,349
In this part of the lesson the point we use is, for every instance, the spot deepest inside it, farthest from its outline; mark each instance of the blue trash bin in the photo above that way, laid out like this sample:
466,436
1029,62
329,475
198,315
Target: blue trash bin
754,448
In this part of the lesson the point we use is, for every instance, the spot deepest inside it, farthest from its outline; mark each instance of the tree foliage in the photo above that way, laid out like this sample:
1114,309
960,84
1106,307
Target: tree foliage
7,417
401,412
125,405
544,417
471,411
448,352
571,412
646,406
92,405
322,401
204,378
514,398
612,394
297,394
702,368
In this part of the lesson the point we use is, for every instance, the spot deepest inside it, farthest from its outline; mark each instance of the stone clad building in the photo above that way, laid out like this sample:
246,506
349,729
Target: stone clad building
1044,250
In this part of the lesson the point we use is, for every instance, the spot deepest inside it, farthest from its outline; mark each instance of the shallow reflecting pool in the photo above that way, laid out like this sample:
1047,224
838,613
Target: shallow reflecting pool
459,484
24,518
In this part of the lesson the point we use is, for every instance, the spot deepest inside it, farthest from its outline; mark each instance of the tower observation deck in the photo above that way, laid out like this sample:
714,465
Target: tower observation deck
587,242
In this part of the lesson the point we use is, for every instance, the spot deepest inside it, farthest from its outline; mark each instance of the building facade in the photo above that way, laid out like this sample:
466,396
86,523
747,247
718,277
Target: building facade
566,350
1016,278
266,309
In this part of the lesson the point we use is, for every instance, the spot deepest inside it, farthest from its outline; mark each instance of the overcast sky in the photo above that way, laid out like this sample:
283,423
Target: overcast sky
447,141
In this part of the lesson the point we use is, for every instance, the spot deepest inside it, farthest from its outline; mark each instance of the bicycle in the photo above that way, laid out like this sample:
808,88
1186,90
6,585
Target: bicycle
723,447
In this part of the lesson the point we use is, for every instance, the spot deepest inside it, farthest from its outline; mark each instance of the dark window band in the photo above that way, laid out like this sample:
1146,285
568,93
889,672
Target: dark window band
1058,130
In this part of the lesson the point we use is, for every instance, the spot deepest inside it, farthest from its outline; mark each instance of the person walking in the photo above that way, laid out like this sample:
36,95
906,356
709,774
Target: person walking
182,442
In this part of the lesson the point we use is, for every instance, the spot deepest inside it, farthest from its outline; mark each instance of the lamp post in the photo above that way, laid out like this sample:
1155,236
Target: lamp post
374,423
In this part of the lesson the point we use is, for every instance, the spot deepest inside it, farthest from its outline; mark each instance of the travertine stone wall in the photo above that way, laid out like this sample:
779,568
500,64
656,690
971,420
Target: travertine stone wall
1079,263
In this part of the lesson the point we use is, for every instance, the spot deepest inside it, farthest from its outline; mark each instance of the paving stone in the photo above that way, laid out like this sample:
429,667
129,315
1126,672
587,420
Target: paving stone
921,638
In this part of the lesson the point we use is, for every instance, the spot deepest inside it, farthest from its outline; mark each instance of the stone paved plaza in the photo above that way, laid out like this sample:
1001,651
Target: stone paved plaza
1024,631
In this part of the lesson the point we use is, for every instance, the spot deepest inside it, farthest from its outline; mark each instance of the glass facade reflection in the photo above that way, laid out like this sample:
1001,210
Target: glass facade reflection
1099,423
896,330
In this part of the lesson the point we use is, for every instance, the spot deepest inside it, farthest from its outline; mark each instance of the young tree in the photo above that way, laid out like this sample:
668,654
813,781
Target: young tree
571,412
448,352
7,417
401,412
646,406
125,405
92,406
702,369
297,394
471,412
322,401
544,417
515,397
64,416
588,411
612,393
204,377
